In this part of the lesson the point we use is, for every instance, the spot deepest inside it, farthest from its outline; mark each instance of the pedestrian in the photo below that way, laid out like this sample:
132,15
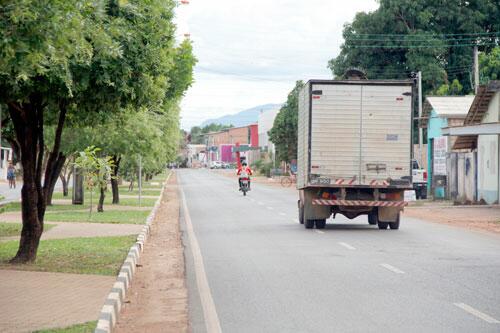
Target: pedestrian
11,175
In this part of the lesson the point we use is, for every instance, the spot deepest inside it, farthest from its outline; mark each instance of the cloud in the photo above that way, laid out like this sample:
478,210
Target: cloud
252,52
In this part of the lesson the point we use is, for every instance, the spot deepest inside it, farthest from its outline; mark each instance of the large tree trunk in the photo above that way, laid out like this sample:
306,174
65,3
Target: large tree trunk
100,205
28,125
65,175
64,183
114,180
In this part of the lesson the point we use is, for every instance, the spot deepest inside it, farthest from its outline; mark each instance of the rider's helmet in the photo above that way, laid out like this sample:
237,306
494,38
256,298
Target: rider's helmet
244,163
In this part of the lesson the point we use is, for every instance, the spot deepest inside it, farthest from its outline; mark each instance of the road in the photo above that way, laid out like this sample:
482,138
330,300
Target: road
266,273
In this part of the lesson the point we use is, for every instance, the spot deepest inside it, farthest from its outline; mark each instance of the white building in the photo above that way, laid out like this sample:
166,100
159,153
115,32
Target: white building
265,123
481,133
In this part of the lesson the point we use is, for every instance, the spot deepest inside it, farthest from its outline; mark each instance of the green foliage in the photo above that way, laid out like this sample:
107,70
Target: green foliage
411,35
454,89
197,133
96,170
87,327
99,255
263,167
489,66
115,217
284,131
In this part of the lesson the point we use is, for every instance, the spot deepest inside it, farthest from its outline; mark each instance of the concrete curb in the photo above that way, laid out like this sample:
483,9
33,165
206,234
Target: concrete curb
116,297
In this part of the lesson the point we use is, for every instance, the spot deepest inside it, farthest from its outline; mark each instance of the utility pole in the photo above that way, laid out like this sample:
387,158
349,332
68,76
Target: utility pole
476,69
420,129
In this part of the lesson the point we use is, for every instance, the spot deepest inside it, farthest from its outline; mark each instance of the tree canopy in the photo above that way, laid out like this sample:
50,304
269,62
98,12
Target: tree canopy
196,134
434,37
284,131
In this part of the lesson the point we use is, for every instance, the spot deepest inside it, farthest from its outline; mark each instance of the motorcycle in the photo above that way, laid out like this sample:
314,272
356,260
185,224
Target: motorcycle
244,183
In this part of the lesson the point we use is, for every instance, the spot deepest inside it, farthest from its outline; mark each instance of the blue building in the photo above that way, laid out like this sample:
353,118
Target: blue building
440,112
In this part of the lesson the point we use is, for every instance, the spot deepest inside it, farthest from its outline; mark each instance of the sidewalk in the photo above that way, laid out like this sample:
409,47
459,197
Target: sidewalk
158,299
35,300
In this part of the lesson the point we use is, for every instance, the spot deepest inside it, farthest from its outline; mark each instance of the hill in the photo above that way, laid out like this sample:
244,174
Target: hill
243,118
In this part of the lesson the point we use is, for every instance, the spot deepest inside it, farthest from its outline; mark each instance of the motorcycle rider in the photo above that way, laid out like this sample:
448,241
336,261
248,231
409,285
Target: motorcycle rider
244,168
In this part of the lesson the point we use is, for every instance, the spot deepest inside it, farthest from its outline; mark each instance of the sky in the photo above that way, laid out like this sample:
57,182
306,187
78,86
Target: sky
252,52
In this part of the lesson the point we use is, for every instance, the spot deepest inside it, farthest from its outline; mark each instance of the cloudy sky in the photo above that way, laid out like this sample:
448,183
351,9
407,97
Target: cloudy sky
251,52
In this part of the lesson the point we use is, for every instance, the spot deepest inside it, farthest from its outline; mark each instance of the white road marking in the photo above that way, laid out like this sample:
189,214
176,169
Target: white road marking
296,221
260,203
270,208
347,246
212,323
477,313
282,214
392,268
318,231
252,199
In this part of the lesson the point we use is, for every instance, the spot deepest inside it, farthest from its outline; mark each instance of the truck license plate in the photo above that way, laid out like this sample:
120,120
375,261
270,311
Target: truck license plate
321,181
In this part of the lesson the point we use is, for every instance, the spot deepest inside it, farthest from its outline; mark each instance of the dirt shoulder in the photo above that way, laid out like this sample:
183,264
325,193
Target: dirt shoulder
158,298
470,217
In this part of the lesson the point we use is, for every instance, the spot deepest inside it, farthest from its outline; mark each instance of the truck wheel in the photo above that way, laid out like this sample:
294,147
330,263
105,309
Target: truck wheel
320,224
373,217
301,214
309,224
395,225
383,225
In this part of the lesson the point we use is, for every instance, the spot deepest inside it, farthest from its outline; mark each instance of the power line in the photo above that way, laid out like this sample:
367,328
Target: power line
421,46
452,34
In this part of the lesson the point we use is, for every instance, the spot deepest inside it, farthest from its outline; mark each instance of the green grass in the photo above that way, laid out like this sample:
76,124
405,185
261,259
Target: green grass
99,255
14,229
143,192
147,202
2,197
87,327
123,216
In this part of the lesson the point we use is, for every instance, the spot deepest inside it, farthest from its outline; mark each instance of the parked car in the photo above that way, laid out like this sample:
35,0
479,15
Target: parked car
419,180
215,165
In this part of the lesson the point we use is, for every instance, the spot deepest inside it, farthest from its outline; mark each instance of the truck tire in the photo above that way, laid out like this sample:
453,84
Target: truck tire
383,225
309,224
301,214
395,225
320,224
373,217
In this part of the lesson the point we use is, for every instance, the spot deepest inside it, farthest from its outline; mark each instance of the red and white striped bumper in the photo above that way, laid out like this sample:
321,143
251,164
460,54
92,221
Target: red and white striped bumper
325,202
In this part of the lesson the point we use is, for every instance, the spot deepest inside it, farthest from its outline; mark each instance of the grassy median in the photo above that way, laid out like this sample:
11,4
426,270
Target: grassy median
14,229
97,255
110,216
87,327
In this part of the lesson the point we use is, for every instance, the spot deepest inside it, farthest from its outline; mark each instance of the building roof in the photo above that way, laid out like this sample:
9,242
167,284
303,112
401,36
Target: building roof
476,113
446,107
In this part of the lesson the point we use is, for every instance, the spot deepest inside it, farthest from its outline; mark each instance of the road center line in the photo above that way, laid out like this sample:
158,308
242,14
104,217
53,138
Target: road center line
260,203
270,208
347,246
318,231
477,313
212,323
392,268
282,214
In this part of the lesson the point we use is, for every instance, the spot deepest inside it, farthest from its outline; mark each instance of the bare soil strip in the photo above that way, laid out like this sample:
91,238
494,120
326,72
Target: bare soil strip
158,298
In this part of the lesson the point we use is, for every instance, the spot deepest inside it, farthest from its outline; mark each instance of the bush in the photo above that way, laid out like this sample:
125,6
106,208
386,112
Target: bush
262,167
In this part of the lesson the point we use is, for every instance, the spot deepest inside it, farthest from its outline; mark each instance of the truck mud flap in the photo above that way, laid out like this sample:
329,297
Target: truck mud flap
324,202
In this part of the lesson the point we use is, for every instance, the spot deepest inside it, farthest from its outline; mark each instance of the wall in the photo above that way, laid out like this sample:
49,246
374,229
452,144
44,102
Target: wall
488,156
265,122
238,135
254,135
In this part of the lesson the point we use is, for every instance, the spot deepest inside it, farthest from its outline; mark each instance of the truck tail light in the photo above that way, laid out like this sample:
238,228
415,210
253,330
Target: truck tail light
425,175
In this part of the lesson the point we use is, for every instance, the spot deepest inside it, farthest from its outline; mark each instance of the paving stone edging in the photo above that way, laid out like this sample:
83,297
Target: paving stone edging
114,301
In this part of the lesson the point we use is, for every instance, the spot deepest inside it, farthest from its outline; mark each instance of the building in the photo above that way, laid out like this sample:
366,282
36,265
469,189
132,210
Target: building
438,113
220,144
480,135
266,122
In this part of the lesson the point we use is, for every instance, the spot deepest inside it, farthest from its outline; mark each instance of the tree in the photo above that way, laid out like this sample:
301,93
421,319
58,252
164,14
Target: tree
410,35
77,63
284,131
97,171
489,66
453,89
197,133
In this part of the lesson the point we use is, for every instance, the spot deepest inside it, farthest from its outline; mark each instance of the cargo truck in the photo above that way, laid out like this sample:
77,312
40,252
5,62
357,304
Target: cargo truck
354,150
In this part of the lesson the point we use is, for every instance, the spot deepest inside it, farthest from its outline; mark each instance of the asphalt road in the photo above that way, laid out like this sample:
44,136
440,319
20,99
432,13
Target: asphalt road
266,273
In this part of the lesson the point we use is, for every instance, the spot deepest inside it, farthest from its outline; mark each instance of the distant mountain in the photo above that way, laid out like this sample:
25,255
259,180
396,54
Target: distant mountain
243,118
